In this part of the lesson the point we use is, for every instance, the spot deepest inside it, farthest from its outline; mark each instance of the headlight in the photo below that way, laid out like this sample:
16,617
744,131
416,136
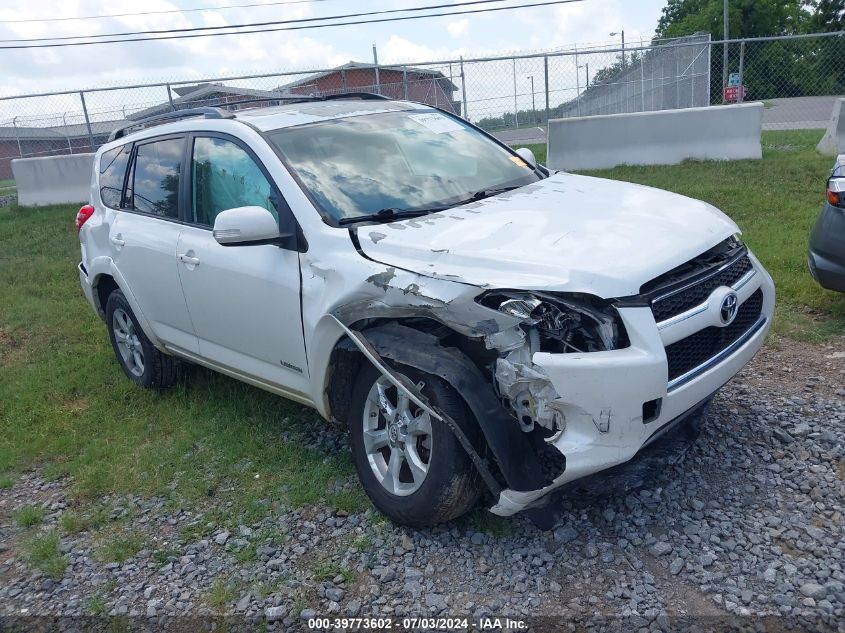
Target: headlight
562,322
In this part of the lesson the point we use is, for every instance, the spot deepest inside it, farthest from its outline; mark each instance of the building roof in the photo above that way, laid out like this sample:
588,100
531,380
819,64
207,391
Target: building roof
206,93
57,132
435,74
289,115
271,118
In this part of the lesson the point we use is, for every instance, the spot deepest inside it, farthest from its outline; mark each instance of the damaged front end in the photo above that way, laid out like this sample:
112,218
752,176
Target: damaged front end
484,346
552,323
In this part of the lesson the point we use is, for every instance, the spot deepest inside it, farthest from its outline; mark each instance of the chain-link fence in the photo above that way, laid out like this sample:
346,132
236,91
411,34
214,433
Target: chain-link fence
796,77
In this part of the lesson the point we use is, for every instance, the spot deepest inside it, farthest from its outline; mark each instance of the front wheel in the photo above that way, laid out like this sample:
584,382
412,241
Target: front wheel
412,466
142,363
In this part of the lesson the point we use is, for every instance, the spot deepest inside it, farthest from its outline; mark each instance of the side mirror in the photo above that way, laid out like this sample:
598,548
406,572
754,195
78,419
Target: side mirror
245,225
527,155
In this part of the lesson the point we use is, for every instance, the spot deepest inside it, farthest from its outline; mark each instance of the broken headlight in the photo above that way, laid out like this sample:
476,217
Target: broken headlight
562,323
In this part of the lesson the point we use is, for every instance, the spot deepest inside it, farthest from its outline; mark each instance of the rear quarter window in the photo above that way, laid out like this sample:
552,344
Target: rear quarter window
112,171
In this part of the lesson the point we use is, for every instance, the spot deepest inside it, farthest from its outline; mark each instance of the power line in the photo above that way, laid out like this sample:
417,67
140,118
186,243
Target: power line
290,28
250,24
192,10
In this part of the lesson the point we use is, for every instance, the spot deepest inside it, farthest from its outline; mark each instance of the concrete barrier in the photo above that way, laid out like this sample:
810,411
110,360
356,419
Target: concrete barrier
665,137
53,179
833,141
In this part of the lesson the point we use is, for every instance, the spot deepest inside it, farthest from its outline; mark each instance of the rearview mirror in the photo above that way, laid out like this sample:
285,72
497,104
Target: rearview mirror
527,155
245,225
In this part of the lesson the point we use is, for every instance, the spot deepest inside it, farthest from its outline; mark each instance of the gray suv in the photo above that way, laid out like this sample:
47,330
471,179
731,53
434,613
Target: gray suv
826,257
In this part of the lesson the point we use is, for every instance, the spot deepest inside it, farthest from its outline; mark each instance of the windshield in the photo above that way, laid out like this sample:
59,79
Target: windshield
404,161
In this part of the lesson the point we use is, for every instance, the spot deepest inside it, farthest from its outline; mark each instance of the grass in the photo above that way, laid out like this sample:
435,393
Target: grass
164,556
481,520
328,570
775,202
7,185
43,553
28,516
66,407
96,605
92,518
120,548
223,592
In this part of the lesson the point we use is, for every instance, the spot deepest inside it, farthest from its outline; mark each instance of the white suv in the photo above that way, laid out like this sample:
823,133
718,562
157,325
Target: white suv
482,326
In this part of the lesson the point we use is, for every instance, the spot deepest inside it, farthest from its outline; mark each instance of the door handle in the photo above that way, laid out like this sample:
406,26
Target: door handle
117,240
187,259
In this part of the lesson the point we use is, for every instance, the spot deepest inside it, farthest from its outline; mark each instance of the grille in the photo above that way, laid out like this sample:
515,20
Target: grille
689,353
694,295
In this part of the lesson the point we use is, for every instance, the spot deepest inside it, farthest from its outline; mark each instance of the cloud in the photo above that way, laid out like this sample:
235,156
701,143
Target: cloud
458,27
476,35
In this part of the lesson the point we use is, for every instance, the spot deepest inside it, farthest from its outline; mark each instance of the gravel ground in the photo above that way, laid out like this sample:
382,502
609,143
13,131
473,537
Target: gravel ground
7,200
749,526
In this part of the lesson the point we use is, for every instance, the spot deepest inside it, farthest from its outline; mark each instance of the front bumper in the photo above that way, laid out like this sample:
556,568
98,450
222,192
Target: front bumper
604,396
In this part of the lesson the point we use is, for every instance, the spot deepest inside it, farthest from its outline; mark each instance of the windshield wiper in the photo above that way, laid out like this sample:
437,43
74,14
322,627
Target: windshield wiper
487,193
394,213
390,213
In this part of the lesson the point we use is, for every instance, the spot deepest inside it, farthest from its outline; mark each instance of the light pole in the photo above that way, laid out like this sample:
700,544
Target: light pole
533,106
622,33
587,66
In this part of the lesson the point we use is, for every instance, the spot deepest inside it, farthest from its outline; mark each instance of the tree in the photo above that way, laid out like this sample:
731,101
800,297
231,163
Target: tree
771,69
747,18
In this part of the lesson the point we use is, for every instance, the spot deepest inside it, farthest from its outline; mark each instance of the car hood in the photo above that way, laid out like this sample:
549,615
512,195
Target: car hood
567,233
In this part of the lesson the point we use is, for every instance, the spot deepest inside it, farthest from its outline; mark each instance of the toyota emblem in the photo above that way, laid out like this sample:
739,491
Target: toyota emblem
730,306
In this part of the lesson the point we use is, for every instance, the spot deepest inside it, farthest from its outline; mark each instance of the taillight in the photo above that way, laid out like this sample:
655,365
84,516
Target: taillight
836,191
82,216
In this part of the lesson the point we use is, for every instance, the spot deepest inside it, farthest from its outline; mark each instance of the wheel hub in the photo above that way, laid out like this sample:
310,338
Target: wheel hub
128,343
397,439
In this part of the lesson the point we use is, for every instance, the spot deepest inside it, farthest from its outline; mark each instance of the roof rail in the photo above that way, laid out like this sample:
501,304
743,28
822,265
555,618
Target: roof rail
205,112
362,96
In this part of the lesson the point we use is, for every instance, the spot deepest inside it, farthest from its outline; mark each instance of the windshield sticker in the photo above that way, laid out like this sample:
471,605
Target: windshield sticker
436,122
516,160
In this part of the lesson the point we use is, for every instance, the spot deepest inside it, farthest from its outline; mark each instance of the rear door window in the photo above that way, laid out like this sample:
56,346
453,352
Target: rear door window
154,180
112,172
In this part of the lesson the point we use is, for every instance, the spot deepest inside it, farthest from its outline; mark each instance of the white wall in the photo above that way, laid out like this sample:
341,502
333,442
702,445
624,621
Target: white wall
666,137
833,141
53,179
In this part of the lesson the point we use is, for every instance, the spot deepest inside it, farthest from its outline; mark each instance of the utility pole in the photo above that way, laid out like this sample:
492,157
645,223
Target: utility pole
725,20
533,105
375,65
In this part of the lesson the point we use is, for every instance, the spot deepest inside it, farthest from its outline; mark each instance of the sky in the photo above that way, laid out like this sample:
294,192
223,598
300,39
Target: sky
485,34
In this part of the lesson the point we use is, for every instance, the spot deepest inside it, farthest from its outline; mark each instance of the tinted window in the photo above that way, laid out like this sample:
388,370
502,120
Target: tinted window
154,186
226,177
405,160
112,170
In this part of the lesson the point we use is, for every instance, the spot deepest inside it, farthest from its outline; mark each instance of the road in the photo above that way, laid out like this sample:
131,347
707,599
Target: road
795,113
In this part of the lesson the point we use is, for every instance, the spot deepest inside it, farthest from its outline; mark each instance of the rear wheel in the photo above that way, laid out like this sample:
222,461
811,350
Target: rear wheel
142,363
412,466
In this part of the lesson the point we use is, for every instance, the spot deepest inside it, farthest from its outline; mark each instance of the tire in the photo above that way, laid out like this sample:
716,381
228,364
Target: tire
449,487
142,363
